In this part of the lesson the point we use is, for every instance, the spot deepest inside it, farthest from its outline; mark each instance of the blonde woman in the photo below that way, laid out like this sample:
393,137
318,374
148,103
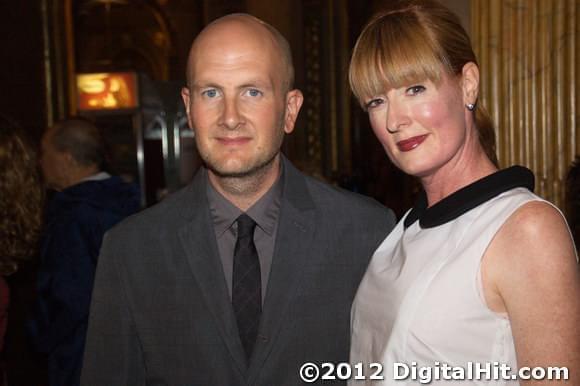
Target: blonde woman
481,270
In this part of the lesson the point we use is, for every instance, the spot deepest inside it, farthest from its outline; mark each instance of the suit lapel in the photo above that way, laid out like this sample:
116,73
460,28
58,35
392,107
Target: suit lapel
198,241
296,229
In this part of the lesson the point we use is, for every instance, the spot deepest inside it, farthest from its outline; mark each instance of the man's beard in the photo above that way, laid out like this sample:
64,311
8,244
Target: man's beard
262,164
253,170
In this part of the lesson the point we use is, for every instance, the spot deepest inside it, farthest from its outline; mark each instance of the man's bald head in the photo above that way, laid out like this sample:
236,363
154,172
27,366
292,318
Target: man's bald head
72,150
244,26
81,139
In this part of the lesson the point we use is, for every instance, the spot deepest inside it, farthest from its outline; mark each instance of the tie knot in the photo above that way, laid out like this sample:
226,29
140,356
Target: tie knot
245,226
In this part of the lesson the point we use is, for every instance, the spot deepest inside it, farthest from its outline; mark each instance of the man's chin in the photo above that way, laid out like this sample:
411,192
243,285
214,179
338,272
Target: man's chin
227,173
239,170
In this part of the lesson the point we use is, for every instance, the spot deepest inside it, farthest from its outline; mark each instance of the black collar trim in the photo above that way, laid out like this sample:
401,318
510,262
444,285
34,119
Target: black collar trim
469,197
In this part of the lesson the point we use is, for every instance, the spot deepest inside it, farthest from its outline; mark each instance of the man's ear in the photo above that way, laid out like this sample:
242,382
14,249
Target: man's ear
185,95
470,83
294,99
68,162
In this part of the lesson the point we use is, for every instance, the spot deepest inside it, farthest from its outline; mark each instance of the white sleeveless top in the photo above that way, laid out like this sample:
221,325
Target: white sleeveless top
421,303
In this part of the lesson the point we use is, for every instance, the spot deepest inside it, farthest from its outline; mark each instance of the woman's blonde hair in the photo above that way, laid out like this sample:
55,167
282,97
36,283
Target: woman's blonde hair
409,42
22,198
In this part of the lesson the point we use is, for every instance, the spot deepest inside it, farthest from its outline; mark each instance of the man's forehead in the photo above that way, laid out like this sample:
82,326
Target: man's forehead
234,41
234,78
239,66
234,46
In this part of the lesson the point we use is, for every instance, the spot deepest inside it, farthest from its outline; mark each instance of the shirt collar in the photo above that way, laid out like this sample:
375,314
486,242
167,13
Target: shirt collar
264,212
96,177
469,197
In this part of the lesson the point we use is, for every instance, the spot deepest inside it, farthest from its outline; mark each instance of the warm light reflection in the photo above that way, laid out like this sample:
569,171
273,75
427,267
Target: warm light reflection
106,91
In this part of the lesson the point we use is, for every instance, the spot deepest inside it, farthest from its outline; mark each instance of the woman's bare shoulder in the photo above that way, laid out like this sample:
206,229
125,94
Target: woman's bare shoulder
531,271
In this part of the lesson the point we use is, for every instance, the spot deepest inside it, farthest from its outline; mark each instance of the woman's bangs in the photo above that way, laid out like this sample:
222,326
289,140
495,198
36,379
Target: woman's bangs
388,57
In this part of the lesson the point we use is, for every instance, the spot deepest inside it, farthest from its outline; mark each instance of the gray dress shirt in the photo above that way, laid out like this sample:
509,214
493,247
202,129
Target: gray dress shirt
264,212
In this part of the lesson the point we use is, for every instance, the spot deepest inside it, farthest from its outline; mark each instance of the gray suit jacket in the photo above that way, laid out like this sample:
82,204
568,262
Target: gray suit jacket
161,314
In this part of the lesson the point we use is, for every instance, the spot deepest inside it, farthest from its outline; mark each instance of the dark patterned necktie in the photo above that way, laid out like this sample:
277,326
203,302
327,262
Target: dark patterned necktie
247,284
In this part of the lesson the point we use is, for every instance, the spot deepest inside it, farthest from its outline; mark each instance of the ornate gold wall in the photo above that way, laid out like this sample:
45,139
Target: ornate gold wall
528,56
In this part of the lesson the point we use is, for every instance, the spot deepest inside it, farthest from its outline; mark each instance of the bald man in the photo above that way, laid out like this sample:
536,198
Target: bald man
249,272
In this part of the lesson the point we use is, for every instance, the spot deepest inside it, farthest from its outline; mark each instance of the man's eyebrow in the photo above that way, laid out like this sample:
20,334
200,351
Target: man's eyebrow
198,85
248,84
256,83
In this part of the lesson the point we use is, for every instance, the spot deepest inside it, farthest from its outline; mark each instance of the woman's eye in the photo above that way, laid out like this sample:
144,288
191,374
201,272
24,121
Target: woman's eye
413,90
211,93
374,103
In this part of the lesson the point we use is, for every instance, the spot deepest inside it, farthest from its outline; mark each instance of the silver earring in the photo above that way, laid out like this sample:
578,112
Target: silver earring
470,106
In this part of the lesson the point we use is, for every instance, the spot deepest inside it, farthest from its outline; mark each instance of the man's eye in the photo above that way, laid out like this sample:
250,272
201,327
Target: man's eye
211,93
374,103
254,92
417,89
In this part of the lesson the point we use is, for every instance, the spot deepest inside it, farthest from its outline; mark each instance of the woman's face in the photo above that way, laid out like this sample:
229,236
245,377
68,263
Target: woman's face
421,126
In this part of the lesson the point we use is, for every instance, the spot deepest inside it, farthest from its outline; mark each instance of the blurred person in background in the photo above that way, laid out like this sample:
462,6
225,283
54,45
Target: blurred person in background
21,201
88,201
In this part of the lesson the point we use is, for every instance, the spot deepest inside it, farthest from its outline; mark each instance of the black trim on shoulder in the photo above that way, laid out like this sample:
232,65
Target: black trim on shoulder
469,197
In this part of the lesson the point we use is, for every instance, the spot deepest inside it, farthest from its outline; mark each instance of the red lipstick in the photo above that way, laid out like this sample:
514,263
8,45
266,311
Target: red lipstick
411,143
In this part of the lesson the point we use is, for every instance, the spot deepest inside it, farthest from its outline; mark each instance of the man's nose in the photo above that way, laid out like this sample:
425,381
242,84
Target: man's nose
231,117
